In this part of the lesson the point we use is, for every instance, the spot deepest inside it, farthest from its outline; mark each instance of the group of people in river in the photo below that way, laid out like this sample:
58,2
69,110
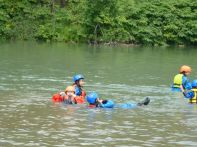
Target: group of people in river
182,84
75,94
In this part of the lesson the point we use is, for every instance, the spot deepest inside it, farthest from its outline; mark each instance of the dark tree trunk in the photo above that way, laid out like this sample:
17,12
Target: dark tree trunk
63,3
52,5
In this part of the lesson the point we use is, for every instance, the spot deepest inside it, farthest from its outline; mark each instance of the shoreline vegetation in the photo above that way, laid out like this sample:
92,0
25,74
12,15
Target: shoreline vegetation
105,22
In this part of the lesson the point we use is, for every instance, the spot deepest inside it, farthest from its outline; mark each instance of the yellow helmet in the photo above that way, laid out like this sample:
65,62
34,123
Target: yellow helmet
185,68
70,88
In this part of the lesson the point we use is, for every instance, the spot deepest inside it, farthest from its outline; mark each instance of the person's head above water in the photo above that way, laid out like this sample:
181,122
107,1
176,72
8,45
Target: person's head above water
92,98
78,79
184,69
70,90
194,84
95,101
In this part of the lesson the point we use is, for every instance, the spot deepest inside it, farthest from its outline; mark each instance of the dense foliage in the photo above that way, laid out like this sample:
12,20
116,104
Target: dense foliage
149,22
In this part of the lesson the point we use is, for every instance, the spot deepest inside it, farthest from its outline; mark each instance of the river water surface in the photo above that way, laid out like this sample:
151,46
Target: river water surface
30,73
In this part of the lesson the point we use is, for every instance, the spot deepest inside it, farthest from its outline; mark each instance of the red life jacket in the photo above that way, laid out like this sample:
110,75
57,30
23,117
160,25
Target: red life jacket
57,98
92,106
83,93
80,99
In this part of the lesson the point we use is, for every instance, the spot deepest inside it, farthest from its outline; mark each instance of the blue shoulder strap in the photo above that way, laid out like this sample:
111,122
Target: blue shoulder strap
108,104
77,91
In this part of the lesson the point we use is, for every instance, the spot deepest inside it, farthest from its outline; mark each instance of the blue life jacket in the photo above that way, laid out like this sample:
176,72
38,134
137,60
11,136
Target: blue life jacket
107,104
111,104
78,91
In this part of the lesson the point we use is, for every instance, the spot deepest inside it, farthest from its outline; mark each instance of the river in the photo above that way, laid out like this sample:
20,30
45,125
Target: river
30,73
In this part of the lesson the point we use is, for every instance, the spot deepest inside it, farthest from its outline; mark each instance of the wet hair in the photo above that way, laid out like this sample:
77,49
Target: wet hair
77,83
183,72
104,101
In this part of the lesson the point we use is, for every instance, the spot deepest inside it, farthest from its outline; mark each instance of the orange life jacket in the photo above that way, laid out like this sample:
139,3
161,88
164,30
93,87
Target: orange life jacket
80,99
83,93
77,100
57,98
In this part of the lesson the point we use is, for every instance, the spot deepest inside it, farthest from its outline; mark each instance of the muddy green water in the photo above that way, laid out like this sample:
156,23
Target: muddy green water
30,73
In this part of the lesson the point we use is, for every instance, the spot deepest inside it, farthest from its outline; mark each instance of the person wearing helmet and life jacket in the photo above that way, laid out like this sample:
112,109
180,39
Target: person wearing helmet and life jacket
68,96
181,80
78,85
95,102
191,94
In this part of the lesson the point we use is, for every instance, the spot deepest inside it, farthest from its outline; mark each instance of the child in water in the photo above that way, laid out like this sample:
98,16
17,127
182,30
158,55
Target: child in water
78,91
94,101
181,81
68,96
191,94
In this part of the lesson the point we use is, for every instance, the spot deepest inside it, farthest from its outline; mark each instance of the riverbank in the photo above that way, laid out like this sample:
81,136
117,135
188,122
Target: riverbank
96,44
154,23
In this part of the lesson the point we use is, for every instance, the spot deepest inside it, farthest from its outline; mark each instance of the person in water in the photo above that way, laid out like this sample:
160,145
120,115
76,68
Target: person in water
94,102
191,94
68,97
181,80
78,85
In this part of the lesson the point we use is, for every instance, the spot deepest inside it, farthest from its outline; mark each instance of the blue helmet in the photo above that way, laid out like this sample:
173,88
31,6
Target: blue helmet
91,98
77,77
188,86
194,83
